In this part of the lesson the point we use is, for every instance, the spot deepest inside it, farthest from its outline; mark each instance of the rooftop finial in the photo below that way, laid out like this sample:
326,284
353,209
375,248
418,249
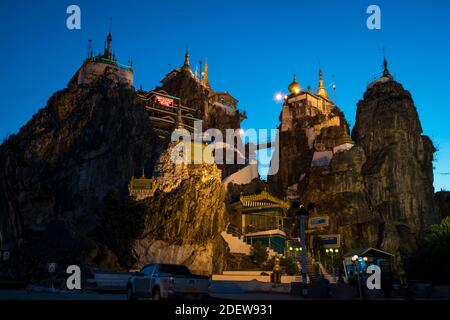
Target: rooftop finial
143,173
186,65
321,91
386,73
108,42
89,49
205,79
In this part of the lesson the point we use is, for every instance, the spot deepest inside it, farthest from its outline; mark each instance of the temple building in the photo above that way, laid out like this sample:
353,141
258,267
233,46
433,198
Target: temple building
164,111
312,131
217,109
325,128
306,103
262,218
223,99
141,188
95,66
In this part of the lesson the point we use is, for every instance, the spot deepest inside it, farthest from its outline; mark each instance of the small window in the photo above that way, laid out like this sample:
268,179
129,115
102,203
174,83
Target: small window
178,270
148,270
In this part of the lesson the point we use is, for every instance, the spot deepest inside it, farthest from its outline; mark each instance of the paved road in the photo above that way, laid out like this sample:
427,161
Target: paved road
26,295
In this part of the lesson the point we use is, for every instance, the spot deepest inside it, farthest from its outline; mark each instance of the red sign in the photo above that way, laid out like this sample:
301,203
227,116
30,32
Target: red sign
163,101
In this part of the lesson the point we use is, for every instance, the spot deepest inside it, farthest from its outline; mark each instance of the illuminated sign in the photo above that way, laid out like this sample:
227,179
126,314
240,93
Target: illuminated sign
318,222
163,101
331,240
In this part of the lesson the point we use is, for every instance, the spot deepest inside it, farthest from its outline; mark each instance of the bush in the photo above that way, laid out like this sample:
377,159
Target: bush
432,261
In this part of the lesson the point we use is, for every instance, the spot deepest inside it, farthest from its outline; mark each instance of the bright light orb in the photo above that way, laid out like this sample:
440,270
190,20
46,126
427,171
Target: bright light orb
278,97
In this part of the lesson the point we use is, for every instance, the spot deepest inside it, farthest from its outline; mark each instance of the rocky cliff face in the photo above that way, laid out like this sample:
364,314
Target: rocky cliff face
398,171
184,218
379,192
64,195
303,136
85,142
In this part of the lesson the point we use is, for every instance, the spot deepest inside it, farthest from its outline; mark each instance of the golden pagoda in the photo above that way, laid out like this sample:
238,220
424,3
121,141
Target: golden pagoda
186,65
294,87
321,91
205,80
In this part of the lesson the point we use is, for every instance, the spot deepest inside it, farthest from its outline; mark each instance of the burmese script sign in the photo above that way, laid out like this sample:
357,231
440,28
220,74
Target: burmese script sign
331,240
318,222
163,101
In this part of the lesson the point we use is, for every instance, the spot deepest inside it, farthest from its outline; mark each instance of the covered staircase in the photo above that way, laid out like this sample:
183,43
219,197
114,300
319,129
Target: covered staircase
235,241
315,269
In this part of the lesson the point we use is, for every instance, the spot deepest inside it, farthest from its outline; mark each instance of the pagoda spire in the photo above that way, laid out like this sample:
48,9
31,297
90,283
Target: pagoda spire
205,79
386,73
108,42
186,65
321,91
179,119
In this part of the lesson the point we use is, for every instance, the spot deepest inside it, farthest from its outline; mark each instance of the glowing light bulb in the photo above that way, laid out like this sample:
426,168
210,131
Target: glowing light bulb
278,97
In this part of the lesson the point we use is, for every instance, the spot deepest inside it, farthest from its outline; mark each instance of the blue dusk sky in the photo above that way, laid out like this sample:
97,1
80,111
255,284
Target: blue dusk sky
252,47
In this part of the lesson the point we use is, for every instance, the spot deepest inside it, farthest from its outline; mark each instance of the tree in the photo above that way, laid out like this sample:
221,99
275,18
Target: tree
432,261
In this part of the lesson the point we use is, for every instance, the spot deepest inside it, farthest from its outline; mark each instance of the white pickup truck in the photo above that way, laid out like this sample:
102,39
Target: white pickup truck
165,281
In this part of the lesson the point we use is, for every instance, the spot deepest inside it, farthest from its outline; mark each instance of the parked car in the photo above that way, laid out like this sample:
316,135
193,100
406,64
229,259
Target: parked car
107,281
165,281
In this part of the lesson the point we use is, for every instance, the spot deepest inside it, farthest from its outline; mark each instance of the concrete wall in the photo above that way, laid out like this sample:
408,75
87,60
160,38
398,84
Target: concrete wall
242,276
91,70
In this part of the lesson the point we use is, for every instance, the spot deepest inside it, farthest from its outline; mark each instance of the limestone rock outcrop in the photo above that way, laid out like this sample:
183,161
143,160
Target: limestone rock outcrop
86,141
184,217
398,172
378,188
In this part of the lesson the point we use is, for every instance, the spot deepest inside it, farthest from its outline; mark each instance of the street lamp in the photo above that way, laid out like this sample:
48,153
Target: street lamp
302,212
332,253
355,260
